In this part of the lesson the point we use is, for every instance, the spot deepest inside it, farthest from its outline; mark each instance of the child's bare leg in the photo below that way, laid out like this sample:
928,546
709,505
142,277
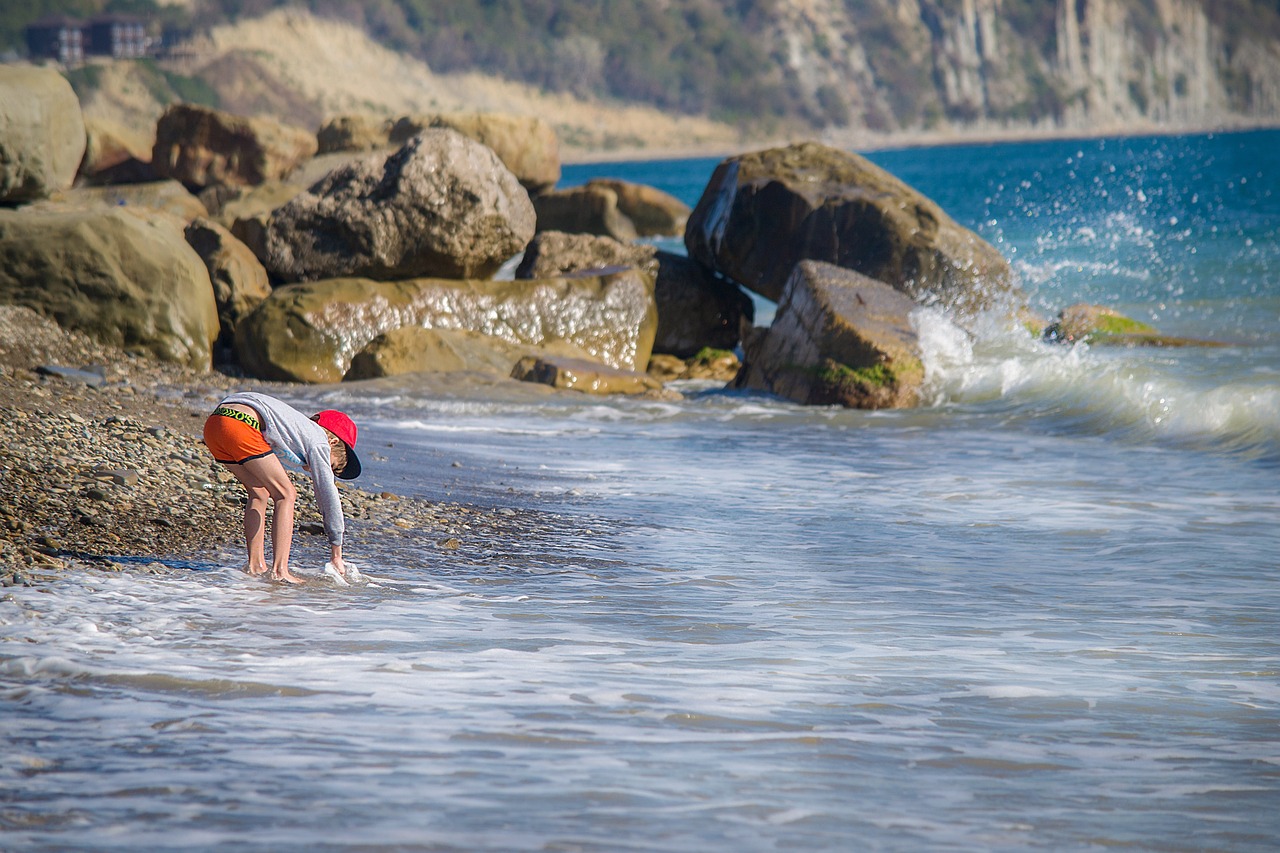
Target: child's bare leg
268,474
255,523
255,518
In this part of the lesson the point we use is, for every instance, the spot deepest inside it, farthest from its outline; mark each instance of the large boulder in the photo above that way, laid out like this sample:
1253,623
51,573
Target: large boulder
239,281
413,349
310,332
653,212
696,309
441,206
584,210
42,135
527,145
124,277
201,147
838,338
763,212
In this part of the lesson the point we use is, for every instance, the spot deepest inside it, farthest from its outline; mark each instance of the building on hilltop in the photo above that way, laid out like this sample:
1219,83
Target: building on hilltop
119,36
59,38
69,40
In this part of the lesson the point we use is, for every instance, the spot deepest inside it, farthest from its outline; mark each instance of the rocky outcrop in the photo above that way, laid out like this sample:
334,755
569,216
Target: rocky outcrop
584,210
527,145
696,310
413,349
42,135
310,332
201,147
765,211
838,338
123,277
556,253
239,281
443,205
654,213
578,374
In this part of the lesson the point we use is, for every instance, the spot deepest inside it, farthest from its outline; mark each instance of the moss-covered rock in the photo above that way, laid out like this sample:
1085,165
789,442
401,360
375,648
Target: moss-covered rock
839,338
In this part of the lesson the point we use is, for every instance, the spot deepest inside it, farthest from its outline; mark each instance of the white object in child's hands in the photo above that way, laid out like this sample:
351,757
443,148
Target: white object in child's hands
353,574
333,574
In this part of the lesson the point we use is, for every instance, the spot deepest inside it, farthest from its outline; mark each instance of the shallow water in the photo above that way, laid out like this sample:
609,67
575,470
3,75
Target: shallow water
1039,613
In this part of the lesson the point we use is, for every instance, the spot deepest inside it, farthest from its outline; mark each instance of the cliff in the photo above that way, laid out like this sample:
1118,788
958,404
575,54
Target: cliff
1084,65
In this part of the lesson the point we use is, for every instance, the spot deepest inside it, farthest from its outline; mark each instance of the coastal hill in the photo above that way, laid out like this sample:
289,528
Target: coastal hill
676,76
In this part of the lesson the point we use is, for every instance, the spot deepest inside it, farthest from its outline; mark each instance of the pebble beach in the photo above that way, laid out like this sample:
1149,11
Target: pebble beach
102,468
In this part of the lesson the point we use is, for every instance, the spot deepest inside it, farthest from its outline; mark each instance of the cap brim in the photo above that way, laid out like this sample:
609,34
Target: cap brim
352,469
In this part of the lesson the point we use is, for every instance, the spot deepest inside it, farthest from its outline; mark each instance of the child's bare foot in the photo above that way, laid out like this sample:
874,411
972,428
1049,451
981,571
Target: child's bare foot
287,577
256,570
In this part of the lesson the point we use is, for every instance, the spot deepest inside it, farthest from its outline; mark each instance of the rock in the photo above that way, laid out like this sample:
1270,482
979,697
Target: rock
42,135
697,310
91,378
310,332
716,364
239,281
117,476
763,212
556,253
838,338
122,276
578,374
653,212
584,210
115,155
200,146
1100,325
413,349
353,133
527,145
168,196
443,205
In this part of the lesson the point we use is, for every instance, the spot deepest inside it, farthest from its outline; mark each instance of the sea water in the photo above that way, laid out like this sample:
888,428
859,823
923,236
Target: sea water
1039,612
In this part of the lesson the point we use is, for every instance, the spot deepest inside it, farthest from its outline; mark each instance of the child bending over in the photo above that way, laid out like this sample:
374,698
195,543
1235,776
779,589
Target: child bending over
247,433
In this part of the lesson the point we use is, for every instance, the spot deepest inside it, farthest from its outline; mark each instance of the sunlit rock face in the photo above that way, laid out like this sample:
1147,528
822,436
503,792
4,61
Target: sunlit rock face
310,332
42,133
442,206
123,276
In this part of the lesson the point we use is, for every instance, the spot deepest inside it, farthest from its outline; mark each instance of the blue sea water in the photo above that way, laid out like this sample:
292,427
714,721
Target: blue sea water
1040,612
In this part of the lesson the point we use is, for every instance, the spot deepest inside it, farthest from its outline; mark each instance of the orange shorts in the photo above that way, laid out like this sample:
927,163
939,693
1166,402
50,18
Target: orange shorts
233,442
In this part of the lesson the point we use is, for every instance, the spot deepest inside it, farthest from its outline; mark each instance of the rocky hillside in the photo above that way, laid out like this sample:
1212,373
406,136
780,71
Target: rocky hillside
683,75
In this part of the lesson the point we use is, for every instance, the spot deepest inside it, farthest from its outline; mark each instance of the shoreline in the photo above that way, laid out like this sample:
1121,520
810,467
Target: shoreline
103,467
864,141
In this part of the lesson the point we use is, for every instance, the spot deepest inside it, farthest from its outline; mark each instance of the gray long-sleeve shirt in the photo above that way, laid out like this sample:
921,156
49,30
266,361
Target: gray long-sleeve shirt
298,439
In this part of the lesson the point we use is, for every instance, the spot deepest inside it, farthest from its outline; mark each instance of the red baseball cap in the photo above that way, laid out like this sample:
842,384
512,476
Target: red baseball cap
345,429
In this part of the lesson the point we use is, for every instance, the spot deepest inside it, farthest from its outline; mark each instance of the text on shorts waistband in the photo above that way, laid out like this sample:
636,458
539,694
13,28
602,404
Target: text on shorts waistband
238,415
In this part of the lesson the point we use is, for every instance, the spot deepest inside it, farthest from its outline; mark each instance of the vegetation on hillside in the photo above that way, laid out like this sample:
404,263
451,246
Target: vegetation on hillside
719,58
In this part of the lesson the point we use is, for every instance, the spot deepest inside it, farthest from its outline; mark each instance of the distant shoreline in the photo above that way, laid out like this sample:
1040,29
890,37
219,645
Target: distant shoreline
864,142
